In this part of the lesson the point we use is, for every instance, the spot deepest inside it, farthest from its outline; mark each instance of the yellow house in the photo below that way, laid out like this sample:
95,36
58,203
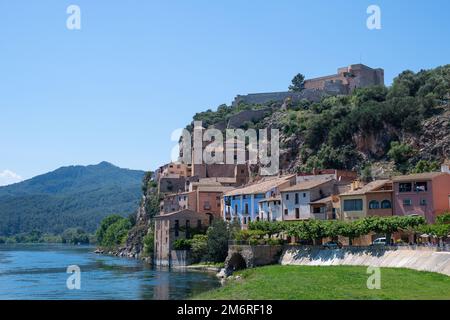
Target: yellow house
372,199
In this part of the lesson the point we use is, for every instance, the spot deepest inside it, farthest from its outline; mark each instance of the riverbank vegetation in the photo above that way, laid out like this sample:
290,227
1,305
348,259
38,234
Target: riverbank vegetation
113,231
330,283
69,236
210,247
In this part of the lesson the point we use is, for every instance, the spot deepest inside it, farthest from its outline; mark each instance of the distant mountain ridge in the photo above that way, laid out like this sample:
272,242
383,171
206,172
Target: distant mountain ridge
74,196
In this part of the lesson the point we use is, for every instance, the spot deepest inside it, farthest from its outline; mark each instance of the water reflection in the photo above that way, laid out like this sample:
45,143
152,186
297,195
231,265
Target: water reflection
39,272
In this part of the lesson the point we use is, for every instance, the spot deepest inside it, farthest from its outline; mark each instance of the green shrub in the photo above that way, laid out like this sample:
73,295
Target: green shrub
217,243
149,243
199,246
182,244
116,234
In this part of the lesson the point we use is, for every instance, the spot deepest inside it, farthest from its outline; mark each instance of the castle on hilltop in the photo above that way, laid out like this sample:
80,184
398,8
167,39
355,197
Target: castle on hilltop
344,82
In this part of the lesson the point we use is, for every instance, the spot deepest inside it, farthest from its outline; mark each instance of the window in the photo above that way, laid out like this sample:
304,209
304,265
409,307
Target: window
423,202
246,208
304,195
405,187
297,213
199,224
286,212
177,228
407,202
296,198
374,204
287,196
353,205
245,220
420,187
386,204
188,226
235,209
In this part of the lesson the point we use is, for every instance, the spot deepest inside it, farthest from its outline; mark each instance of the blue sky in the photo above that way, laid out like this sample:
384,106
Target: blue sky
137,70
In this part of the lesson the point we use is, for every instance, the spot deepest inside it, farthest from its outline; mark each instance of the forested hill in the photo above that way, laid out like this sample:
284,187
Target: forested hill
75,196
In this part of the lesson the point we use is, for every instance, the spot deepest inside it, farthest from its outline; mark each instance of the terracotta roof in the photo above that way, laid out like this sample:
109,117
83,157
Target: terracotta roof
178,213
306,185
214,189
367,188
216,180
418,176
278,198
323,200
260,187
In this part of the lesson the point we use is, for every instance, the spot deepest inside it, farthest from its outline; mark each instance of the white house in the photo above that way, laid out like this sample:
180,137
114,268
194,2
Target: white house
296,200
270,209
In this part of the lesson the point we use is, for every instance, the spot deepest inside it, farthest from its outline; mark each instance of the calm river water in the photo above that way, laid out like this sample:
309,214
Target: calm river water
39,272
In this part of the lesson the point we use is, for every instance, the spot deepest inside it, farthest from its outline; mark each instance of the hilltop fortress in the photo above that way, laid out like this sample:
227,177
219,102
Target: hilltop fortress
343,82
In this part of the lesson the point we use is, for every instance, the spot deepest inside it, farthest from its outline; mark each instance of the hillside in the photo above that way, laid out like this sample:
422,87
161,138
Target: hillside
75,196
376,131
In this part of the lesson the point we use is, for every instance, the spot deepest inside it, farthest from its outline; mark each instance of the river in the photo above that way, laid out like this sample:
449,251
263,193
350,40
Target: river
40,272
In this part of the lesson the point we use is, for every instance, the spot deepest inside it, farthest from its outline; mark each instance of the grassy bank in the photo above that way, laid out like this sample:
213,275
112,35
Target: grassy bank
337,282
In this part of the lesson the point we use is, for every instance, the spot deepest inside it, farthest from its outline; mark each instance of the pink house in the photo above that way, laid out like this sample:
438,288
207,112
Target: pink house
425,194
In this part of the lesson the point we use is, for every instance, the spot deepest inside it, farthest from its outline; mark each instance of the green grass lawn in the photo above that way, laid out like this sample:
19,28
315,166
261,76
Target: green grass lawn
338,282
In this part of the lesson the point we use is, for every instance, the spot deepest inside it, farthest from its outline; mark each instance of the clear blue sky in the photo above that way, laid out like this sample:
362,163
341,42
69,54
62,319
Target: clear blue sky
137,70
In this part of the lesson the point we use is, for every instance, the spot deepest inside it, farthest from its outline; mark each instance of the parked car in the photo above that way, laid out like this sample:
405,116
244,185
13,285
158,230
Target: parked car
379,242
332,245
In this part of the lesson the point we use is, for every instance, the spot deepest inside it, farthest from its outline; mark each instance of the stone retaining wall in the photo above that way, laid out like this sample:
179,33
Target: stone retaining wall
418,258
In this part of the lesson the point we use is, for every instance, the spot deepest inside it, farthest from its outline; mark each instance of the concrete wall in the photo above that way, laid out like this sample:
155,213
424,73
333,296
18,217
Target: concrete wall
418,258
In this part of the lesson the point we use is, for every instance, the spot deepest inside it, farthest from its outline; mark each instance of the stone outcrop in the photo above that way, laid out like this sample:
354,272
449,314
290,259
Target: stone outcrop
434,140
134,245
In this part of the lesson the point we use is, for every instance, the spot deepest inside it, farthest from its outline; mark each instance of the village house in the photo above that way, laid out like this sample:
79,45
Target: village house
425,194
181,213
243,203
372,199
172,226
270,209
296,200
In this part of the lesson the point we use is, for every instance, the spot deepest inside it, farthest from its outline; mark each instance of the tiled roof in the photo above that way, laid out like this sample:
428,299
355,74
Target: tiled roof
260,187
278,198
306,185
418,176
180,213
214,189
323,200
367,188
